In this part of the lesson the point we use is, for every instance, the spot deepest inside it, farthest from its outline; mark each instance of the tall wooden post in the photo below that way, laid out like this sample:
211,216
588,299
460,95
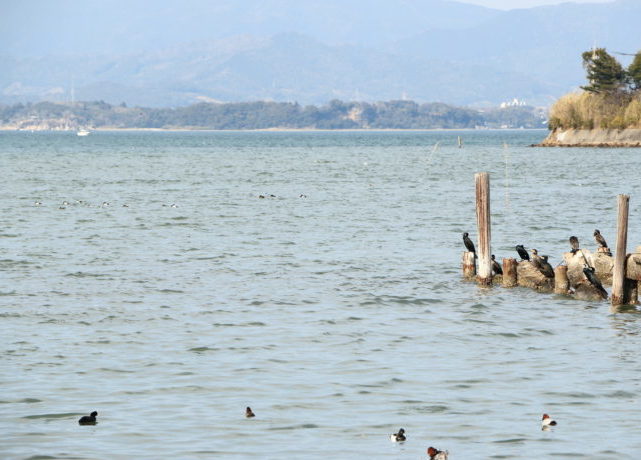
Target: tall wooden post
618,274
484,230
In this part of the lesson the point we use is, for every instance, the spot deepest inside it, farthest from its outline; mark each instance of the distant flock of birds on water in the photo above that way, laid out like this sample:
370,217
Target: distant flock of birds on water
105,204
432,452
541,262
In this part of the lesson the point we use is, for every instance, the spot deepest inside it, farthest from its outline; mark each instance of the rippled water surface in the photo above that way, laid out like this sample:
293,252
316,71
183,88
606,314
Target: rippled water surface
335,308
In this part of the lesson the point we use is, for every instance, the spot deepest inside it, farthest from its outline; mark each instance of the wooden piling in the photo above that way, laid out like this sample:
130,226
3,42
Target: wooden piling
561,280
482,181
469,265
631,292
618,275
509,272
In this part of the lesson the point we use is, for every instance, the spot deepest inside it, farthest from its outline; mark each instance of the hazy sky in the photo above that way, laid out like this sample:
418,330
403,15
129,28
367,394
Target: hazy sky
512,4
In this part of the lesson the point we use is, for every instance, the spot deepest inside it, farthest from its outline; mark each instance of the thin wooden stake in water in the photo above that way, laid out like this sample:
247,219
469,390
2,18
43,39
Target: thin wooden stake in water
484,229
618,274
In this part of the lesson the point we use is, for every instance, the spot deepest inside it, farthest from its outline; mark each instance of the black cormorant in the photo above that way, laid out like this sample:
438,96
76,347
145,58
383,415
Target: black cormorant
599,239
522,252
468,243
249,413
546,268
594,281
574,241
496,268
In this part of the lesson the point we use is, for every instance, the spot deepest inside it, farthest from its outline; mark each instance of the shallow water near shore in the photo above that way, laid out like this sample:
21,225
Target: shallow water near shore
334,308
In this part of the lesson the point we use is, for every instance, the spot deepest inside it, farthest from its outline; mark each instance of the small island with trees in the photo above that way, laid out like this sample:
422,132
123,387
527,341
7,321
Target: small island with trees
607,113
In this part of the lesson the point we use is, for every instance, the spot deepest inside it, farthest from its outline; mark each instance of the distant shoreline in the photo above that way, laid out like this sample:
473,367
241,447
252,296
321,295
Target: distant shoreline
268,130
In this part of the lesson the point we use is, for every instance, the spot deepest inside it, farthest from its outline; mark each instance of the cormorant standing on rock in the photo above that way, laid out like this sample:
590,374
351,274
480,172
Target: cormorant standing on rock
594,281
599,239
522,252
546,268
574,241
496,268
468,243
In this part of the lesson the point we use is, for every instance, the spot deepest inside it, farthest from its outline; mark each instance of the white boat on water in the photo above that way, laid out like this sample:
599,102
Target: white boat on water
82,132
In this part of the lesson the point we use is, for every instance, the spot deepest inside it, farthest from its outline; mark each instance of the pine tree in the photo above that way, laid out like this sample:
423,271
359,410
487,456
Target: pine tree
634,72
604,72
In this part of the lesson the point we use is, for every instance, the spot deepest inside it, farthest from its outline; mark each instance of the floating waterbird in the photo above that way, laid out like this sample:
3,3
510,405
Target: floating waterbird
398,437
522,252
436,454
468,243
88,419
594,281
546,421
574,242
37,203
496,268
599,239
249,413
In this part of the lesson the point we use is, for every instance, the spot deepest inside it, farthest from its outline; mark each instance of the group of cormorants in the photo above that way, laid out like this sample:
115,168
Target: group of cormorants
541,262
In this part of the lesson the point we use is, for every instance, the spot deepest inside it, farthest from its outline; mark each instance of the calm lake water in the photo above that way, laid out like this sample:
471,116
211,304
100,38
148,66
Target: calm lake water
339,316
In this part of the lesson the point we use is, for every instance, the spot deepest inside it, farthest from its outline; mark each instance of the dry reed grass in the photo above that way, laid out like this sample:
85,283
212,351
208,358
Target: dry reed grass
586,110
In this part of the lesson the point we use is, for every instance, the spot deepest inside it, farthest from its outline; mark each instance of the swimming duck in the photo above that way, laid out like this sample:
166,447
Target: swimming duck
547,422
398,437
88,419
249,413
436,454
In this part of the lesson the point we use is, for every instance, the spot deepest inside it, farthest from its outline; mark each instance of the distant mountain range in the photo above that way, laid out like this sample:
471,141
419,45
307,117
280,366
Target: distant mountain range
169,53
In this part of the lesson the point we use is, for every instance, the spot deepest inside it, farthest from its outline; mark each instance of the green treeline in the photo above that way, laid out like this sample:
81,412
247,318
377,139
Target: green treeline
610,100
266,115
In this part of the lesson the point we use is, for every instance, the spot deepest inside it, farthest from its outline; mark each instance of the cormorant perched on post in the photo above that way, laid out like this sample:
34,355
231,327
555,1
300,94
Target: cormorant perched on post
536,259
594,281
599,239
468,243
522,252
574,241
496,268
546,268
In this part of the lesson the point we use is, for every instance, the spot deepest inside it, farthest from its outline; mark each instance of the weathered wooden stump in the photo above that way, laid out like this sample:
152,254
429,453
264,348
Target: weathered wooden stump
633,266
603,264
509,272
530,276
577,261
561,281
469,265
585,291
